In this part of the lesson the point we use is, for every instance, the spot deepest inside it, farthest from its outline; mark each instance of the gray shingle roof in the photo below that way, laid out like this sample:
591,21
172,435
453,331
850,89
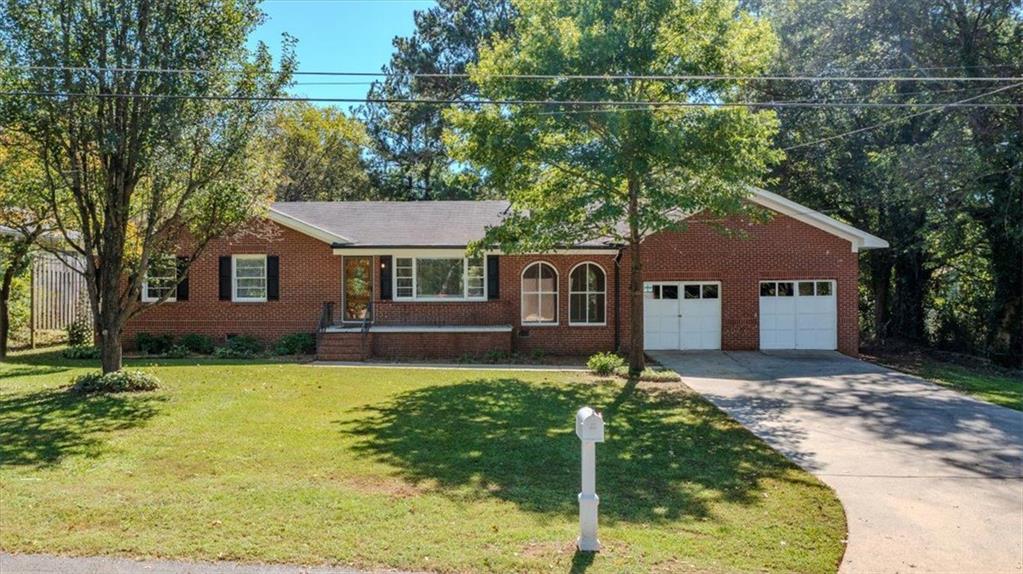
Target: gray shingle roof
398,223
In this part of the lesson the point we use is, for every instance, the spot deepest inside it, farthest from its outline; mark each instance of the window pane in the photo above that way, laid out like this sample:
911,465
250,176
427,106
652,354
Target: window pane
531,309
806,288
596,308
669,292
548,307
577,282
439,277
692,291
824,288
767,289
595,278
786,289
657,291
547,278
710,291
577,308
531,279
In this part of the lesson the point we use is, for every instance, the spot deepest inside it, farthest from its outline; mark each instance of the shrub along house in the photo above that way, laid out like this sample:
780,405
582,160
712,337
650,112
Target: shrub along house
391,279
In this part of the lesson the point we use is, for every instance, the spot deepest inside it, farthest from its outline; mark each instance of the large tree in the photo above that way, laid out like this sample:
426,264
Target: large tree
410,159
143,112
617,171
319,152
926,182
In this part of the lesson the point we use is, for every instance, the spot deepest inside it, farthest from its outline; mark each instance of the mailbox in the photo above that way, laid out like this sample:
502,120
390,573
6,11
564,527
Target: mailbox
589,425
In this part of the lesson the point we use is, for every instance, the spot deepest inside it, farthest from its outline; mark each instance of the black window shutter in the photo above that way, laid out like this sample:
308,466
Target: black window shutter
273,278
385,277
182,294
493,277
225,278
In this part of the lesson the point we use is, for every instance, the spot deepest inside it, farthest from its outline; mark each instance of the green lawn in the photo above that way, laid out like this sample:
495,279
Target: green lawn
449,471
985,383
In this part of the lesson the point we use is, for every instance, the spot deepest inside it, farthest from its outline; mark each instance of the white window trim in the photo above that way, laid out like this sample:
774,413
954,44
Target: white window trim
234,279
586,292
415,280
145,287
557,296
795,287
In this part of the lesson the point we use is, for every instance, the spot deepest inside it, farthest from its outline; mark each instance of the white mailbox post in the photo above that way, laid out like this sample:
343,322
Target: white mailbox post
589,426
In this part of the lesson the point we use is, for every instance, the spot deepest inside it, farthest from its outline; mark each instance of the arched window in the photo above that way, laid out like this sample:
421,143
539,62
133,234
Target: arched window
539,294
587,295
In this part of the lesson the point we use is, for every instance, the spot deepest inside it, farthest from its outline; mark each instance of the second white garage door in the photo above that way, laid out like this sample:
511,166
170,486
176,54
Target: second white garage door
798,315
682,315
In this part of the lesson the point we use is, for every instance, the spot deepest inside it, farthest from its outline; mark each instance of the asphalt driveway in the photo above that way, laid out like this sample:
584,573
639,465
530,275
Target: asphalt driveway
931,480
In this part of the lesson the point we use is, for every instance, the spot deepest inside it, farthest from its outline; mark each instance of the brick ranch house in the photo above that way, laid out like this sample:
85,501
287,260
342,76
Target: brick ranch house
391,279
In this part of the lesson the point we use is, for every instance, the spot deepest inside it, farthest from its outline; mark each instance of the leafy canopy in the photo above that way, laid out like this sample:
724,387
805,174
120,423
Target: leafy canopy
568,169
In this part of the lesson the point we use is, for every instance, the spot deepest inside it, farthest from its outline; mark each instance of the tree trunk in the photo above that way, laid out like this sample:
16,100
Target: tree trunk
5,298
1005,336
110,328
880,289
637,360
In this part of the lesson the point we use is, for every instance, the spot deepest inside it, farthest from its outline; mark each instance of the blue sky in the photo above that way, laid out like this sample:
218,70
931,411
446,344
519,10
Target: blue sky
337,35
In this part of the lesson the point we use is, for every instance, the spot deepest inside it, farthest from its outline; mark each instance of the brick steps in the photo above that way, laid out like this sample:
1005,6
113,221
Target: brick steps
342,347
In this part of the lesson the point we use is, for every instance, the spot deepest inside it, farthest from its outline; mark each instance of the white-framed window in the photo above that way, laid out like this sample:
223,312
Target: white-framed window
539,294
248,278
439,278
161,279
587,295
815,288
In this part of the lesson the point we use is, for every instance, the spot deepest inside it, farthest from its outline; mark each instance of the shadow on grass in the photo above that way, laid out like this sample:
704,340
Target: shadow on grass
41,428
667,455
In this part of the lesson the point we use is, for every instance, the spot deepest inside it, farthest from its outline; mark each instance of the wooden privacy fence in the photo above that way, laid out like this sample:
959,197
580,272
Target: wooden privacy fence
58,293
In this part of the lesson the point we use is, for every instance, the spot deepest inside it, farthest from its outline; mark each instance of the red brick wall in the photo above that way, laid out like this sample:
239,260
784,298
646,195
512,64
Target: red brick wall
309,275
782,248
439,345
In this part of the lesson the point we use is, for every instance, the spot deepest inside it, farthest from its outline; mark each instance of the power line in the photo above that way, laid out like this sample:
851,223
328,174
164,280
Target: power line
959,103
513,102
593,77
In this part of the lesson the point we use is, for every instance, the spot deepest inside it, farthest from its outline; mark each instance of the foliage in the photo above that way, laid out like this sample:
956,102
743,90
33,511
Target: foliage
296,344
179,162
650,375
466,450
410,159
117,382
177,352
197,343
604,364
240,347
617,173
81,352
318,152
943,188
79,330
149,344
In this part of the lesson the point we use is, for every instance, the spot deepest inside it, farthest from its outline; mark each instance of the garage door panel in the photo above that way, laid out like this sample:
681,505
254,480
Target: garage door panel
692,321
798,315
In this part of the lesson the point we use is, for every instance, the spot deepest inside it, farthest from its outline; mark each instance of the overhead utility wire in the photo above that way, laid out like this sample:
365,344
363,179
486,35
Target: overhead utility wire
959,103
602,77
627,104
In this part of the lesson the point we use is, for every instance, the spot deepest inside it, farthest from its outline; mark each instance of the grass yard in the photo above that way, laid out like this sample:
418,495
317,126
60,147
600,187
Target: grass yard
448,471
994,385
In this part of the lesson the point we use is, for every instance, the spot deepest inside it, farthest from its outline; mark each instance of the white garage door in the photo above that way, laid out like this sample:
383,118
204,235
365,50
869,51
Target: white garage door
798,315
684,315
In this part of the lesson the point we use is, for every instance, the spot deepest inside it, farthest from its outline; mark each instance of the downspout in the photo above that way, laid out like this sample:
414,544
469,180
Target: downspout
618,300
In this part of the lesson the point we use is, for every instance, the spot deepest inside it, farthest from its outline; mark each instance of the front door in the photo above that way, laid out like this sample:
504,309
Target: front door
358,287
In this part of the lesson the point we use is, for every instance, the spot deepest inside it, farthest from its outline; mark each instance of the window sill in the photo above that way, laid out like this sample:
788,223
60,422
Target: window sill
538,325
248,300
151,300
440,300
587,324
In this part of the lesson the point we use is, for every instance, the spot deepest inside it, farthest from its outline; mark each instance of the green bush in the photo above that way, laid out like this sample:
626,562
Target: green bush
197,343
604,364
296,344
81,352
149,344
177,352
116,382
79,331
239,347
